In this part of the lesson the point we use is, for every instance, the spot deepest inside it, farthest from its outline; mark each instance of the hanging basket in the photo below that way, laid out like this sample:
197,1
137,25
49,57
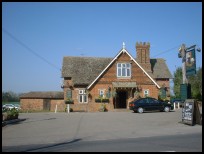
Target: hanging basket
69,102
104,100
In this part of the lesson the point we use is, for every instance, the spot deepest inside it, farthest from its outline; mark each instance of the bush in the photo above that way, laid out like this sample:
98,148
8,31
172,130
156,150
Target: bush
70,109
103,108
9,114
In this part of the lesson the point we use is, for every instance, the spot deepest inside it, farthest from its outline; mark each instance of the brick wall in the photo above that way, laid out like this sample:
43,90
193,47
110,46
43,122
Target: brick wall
42,104
31,104
109,76
166,83
60,105
143,55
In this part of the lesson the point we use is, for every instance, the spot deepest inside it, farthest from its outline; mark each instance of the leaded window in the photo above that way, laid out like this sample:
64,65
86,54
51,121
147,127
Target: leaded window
123,70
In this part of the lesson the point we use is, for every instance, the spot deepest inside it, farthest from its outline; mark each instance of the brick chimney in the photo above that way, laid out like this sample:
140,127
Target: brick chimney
143,55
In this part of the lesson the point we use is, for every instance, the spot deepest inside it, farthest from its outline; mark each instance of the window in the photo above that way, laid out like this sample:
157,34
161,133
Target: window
123,70
162,93
101,93
142,101
82,96
154,101
146,93
69,94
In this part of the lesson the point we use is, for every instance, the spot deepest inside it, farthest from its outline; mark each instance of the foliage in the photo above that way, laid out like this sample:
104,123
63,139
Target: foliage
163,99
70,109
10,97
196,84
114,93
102,99
195,81
69,101
103,108
177,81
10,113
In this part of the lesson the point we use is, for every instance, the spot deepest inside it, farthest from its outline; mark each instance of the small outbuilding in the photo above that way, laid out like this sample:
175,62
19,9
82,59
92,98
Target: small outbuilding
42,101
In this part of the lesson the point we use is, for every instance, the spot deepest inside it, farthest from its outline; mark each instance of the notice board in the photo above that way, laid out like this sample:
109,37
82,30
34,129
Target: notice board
188,112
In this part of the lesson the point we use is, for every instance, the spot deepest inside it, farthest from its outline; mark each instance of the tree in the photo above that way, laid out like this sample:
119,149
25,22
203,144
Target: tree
196,84
177,81
195,81
10,97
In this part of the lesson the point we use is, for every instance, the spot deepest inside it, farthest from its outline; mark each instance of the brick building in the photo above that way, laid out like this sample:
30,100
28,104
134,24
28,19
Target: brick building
38,101
90,80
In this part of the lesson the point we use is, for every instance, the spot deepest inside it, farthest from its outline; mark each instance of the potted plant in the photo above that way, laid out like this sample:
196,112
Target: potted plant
103,108
69,101
100,99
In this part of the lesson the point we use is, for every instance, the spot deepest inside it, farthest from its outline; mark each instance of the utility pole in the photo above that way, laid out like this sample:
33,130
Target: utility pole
182,55
188,68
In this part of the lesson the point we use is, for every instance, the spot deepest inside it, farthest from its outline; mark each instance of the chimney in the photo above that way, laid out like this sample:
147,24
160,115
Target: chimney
143,55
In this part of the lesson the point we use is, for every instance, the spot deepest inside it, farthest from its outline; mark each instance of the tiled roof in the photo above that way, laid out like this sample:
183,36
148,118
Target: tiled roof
47,94
159,68
83,70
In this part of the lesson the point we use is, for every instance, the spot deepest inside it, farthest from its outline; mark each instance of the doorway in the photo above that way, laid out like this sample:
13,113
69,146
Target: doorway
121,100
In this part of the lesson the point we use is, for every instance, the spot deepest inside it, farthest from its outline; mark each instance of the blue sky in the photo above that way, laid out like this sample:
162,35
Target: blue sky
37,35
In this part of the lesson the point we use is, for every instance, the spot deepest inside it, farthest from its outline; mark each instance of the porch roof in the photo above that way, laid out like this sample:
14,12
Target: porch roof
124,84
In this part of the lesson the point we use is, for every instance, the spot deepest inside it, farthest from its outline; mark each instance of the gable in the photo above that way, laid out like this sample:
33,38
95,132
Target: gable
87,70
127,57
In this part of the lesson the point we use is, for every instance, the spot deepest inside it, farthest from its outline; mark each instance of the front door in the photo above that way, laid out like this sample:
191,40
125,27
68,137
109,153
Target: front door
121,100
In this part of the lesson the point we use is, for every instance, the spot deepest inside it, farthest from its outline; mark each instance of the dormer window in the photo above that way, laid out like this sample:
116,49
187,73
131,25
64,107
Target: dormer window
123,70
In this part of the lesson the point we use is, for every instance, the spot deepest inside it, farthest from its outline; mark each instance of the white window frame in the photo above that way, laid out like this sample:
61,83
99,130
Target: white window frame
82,98
102,92
146,92
81,91
122,69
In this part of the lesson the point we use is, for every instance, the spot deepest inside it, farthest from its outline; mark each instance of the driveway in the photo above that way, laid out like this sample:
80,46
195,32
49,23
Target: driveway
49,127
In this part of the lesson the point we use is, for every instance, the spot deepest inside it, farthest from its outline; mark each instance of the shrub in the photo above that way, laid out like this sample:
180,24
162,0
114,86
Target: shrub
9,114
103,108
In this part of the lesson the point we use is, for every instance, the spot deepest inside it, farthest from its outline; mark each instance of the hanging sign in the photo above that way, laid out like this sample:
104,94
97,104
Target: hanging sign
190,61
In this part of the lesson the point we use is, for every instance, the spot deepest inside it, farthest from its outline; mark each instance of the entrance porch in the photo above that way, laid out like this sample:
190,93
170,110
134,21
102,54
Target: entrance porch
124,92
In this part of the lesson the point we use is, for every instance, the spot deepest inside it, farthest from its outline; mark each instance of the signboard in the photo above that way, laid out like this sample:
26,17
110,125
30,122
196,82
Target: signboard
124,84
190,61
188,112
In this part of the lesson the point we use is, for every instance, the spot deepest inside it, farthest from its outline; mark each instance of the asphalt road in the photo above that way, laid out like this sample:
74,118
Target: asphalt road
173,143
108,131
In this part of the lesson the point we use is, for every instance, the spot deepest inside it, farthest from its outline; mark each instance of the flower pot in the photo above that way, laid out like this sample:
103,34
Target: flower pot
105,100
69,102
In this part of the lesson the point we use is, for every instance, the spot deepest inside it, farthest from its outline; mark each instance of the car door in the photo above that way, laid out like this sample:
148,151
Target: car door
148,104
142,103
155,104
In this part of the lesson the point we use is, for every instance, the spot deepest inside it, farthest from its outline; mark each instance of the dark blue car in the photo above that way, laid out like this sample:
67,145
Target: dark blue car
149,104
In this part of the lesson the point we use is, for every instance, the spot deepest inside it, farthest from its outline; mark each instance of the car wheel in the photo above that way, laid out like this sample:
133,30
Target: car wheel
166,109
140,110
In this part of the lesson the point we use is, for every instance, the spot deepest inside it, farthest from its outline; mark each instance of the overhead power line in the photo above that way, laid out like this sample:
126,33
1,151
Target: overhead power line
29,49
167,50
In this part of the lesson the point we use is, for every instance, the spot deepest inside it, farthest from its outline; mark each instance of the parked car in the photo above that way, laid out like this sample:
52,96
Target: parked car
11,106
149,104
17,106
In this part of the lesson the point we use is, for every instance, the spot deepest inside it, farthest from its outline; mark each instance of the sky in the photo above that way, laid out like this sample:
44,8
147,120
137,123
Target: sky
37,35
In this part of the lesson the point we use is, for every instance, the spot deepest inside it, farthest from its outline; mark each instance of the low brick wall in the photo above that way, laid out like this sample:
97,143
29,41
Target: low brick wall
90,107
